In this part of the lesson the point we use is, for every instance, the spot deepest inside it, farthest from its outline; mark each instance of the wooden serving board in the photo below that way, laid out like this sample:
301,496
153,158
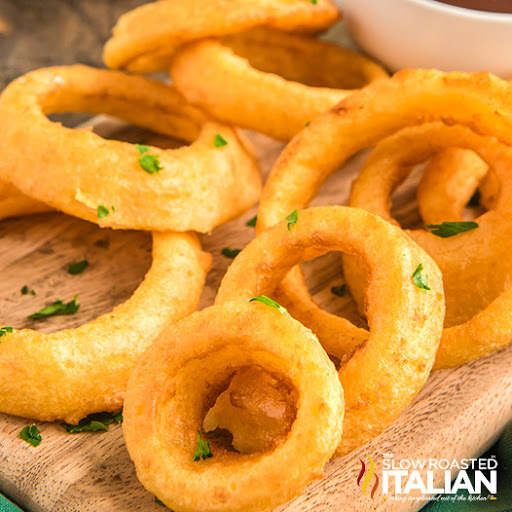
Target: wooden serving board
457,415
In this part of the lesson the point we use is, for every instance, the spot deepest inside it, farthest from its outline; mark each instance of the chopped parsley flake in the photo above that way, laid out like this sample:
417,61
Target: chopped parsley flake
4,331
26,290
420,279
31,435
58,307
292,219
231,253
78,267
94,422
252,221
269,302
148,163
448,229
142,149
219,141
203,450
102,211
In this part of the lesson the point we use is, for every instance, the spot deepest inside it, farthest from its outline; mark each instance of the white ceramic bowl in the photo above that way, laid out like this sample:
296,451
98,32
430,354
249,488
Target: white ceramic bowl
428,34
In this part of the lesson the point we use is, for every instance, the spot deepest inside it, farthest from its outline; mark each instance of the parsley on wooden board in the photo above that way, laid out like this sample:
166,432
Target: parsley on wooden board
59,307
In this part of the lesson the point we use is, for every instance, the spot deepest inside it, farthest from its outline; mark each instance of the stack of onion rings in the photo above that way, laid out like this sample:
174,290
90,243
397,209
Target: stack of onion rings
383,374
478,101
69,374
475,268
236,78
146,39
222,368
197,188
301,77
177,381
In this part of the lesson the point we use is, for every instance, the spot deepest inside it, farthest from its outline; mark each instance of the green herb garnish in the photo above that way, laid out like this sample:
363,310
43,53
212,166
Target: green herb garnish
314,2
26,290
102,211
78,267
148,163
231,253
31,435
219,141
339,290
252,221
94,422
292,219
448,229
4,331
159,502
269,302
420,279
58,307
203,448
142,149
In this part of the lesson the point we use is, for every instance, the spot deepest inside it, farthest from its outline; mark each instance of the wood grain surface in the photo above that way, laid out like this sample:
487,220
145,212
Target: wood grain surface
457,415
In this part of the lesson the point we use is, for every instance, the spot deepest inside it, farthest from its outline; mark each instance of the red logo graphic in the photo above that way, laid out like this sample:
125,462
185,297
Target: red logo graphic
368,477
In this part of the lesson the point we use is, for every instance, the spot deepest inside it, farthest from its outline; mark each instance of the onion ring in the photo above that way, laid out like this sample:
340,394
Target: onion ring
176,382
269,81
382,375
448,183
479,101
75,372
198,187
145,39
475,268
13,203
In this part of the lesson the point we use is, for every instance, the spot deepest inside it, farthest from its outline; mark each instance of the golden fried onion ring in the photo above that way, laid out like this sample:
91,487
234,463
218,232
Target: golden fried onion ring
75,372
381,376
479,101
146,38
475,264
448,183
177,381
76,171
14,203
269,81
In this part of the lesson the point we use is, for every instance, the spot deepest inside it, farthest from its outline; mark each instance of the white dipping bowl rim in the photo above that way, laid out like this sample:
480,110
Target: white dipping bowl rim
449,50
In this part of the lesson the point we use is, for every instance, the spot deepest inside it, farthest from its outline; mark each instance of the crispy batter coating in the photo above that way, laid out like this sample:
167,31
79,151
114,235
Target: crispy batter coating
381,375
69,374
269,81
146,38
76,171
179,378
475,264
478,101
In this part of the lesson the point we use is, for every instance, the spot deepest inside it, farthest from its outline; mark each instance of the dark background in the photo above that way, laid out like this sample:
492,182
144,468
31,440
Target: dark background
40,33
